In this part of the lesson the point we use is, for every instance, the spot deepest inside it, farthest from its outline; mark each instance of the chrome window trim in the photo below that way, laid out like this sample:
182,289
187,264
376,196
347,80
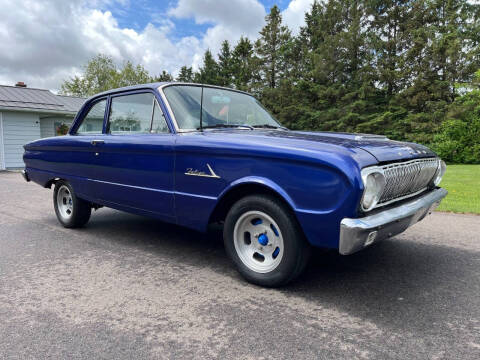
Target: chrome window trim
382,168
155,101
169,109
91,104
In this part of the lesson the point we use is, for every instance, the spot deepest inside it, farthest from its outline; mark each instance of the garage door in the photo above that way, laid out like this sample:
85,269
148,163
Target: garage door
18,129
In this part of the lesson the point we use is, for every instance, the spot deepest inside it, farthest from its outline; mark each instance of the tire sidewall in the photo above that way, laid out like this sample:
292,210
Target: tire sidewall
291,238
70,222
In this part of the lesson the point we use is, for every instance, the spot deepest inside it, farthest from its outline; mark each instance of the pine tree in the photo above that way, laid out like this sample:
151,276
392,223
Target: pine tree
438,58
394,67
336,91
388,31
225,64
185,74
274,38
452,52
163,77
209,71
243,64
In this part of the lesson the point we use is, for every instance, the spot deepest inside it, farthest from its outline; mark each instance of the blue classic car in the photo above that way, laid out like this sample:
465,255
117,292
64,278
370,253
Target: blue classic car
194,154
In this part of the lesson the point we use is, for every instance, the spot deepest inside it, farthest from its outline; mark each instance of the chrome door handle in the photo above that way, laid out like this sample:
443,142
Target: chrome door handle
97,142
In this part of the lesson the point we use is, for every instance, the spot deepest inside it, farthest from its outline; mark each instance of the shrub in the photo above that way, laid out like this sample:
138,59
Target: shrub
459,138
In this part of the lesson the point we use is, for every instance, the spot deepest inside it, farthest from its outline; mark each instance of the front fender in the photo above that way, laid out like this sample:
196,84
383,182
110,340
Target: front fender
258,180
321,188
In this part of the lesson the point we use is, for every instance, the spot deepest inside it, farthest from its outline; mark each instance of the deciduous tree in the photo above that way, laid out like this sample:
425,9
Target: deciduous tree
101,74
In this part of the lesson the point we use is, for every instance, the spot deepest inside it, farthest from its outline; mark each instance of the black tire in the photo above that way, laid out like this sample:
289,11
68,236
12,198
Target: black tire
79,211
296,250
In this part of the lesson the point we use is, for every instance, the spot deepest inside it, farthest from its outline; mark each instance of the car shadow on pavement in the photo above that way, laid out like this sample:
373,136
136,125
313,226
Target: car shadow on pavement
157,237
399,282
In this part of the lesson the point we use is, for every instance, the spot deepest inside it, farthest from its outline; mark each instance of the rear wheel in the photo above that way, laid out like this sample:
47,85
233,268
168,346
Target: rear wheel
264,240
71,211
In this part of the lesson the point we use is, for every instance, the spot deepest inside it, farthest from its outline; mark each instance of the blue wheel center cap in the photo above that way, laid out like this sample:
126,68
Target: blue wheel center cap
263,239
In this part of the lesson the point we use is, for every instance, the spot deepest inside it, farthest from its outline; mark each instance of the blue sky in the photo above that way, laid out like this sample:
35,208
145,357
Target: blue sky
138,14
45,42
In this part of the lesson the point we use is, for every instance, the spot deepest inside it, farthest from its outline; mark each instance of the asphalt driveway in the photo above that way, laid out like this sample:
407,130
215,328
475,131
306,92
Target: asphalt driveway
132,287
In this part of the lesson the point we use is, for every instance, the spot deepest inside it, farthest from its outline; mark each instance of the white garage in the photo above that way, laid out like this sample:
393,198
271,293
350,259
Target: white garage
28,114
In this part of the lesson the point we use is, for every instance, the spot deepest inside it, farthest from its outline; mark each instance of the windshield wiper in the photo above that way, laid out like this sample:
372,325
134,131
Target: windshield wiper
218,126
268,126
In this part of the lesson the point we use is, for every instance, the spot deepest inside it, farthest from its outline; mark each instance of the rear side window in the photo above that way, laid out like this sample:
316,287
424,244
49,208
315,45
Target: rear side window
131,114
93,122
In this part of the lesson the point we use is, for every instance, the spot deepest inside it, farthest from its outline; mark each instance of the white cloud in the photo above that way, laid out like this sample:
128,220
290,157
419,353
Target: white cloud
294,15
238,14
42,43
45,42
230,20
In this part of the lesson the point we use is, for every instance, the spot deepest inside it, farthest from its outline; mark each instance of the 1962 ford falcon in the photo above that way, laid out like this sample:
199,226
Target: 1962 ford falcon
195,154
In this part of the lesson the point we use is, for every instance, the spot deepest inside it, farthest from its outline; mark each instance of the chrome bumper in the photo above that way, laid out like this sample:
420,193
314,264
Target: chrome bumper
355,234
25,175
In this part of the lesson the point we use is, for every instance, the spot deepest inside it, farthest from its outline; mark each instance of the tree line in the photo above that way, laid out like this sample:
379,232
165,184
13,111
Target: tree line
406,69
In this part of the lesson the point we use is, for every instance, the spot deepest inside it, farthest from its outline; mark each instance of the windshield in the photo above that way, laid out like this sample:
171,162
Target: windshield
220,108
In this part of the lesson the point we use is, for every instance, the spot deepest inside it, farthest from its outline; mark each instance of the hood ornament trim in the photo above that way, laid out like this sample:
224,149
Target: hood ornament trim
360,137
194,172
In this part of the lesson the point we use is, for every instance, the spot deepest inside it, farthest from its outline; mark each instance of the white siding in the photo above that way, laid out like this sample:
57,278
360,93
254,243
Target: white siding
47,125
2,157
19,128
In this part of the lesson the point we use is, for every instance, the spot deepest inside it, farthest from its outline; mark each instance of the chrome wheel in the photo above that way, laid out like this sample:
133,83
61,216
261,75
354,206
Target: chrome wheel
258,241
65,202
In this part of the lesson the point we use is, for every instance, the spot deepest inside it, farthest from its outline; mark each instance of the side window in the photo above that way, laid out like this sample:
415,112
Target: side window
159,125
131,114
93,122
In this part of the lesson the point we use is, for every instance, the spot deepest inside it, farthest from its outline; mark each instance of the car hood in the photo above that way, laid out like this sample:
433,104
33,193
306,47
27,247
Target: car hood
382,148
379,147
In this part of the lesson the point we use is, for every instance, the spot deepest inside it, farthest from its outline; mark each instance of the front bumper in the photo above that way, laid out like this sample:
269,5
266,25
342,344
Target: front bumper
355,234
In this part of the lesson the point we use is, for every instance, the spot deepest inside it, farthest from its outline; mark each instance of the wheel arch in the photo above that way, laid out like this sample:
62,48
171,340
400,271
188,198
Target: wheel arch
244,187
51,182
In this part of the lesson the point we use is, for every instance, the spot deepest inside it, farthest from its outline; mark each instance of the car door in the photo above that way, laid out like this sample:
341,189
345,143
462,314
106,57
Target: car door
78,158
136,158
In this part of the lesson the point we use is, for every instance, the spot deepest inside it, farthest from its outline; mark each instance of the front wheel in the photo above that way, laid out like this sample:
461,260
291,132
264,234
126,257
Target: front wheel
264,240
71,211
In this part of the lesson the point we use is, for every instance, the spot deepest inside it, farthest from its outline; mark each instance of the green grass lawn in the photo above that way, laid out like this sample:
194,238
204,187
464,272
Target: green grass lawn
463,185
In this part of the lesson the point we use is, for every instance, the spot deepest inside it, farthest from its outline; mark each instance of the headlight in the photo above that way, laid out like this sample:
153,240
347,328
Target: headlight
374,184
442,167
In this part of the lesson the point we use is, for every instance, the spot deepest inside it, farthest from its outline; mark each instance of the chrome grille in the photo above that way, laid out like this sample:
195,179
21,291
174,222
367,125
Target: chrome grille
407,178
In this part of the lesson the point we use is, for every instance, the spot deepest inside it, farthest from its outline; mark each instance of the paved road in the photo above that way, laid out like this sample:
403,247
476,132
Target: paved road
131,287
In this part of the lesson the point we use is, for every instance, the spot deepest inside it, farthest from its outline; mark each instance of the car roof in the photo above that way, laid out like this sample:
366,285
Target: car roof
155,86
